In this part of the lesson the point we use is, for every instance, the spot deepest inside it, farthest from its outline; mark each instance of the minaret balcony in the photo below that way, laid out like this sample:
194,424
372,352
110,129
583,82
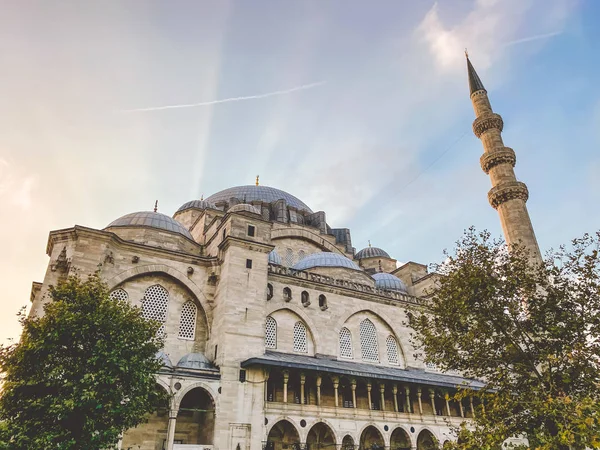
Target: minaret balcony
487,122
507,191
504,155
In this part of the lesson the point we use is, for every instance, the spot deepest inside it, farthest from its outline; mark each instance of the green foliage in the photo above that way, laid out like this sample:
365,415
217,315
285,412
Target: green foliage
530,330
81,374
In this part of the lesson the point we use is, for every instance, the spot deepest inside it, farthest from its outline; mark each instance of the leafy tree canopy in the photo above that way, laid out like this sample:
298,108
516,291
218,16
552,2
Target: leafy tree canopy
530,330
81,374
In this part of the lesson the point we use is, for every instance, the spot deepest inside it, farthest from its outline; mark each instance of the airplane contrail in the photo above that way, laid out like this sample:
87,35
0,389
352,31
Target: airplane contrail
533,38
228,100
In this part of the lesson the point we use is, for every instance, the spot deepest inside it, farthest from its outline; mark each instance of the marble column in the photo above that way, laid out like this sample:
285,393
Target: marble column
353,386
382,395
408,405
419,399
286,378
319,380
302,382
171,428
336,385
369,394
395,391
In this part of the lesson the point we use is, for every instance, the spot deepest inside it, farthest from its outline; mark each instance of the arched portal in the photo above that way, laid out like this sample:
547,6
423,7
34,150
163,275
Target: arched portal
195,418
151,434
371,439
426,441
283,435
400,440
347,443
320,437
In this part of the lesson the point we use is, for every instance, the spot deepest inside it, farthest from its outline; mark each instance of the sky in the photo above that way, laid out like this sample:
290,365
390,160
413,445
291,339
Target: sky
360,109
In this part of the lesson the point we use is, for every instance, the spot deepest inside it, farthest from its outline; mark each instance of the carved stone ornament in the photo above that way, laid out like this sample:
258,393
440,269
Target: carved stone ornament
487,122
61,263
505,155
507,191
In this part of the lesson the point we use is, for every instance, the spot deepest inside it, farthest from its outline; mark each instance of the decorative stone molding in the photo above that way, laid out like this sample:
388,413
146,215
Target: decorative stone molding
507,191
505,155
487,122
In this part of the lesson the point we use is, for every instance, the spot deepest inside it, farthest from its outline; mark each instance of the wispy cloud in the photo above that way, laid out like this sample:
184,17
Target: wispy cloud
229,100
533,38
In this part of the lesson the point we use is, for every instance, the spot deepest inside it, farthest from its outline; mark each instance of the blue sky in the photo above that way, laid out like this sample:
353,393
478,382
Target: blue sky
378,135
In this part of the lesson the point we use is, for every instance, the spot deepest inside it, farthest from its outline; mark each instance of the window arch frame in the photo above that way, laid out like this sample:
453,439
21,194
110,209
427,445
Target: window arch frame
323,302
269,291
287,294
305,298
270,320
300,331
391,343
152,315
369,344
193,319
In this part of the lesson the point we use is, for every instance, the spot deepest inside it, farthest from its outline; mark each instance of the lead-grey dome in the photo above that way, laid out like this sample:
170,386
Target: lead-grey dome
252,193
325,259
371,252
198,204
241,207
152,220
194,361
389,282
166,361
274,258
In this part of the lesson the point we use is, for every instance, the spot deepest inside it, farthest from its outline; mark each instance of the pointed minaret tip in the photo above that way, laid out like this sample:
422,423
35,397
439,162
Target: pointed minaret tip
156,206
475,83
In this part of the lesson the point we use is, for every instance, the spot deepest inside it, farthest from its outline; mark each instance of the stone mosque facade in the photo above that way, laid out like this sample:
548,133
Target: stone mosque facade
279,334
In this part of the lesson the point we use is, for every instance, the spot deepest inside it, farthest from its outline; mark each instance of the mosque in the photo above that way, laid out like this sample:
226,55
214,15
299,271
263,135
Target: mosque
279,334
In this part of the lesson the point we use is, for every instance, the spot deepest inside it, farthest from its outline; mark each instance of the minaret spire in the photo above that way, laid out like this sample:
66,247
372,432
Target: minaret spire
507,195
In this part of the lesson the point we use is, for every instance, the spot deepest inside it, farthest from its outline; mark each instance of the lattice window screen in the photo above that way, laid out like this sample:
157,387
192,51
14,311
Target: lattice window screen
345,343
154,305
301,255
300,338
392,350
119,294
368,341
288,258
271,333
187,320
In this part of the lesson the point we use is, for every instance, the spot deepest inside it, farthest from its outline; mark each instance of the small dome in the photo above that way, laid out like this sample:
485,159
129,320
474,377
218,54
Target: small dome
274,258
241,207
198,204
194,361
389,282
325,259
371,252
152,220
263,193
166,362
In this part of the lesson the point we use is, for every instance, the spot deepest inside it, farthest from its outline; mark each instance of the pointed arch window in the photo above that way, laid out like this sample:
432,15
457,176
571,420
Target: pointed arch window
300,344
270,333
346,343
155,304
392,350
119,294
187,321
368,341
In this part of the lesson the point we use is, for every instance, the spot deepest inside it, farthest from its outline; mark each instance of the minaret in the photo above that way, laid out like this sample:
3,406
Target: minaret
507,195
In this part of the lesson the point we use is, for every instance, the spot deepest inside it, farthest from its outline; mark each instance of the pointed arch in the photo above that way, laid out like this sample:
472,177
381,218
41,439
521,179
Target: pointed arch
368,341
187,321
270,333
155,305
392,350
346,343
300,339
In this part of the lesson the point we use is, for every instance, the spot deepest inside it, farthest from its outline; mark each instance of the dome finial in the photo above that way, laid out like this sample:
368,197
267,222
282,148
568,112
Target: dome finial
257,176
466,53
156,206
369,242
202,197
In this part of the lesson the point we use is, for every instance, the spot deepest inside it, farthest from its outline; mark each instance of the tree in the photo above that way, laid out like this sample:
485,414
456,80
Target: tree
81,374
530,330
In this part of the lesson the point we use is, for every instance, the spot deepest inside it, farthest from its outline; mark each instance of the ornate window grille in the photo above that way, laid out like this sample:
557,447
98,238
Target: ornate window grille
155,304
119,294
270,333
346,343
392,350
368,341
300,344
187,321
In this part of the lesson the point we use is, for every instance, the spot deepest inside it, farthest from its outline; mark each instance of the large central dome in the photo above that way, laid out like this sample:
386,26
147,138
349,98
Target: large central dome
250,193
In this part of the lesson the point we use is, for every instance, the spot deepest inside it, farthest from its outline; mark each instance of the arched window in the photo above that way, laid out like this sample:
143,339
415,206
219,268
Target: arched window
288,259
368,341
187,321
305,298
270,333
287,294
119,294
392,350
322,302
224,233
301,255
345,343
155,304
269,291
300,338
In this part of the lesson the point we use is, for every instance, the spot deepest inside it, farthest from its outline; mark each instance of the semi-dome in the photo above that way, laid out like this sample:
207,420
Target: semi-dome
252,193
325,259
152,220
164,359
194,361
371,252
389,282
274,258
241,207
198,204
